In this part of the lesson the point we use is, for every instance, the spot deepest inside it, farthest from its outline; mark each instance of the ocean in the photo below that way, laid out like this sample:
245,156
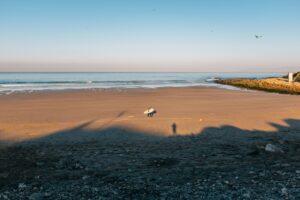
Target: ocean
29,82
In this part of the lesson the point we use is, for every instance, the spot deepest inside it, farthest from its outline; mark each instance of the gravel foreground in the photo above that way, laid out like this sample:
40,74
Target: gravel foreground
219,163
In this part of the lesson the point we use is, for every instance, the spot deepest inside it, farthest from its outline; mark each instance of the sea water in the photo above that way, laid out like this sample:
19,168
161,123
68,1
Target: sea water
28,82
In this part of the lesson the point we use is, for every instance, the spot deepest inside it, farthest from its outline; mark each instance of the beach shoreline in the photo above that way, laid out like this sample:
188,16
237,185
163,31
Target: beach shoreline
18,82
115,89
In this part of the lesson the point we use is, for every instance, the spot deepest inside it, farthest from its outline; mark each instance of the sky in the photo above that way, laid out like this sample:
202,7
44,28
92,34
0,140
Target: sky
149,35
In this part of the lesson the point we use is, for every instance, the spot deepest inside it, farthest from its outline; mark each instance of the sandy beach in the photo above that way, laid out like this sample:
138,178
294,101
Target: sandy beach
27,116
229,144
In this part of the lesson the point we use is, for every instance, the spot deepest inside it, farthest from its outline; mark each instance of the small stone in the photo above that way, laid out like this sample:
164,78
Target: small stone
247,195
22,185
4,175
284,191
78,166
272,148
36,196
39,164
47,194
297,171
262,174
85,177
3,196
281,141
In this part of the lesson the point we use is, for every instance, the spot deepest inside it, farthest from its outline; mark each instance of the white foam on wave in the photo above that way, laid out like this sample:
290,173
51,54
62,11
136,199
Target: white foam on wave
212,79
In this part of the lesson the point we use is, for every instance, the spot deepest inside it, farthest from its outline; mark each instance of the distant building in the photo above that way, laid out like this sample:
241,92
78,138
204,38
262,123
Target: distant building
291,77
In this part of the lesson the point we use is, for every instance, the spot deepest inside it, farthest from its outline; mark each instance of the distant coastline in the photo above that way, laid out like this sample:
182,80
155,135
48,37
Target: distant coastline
274,84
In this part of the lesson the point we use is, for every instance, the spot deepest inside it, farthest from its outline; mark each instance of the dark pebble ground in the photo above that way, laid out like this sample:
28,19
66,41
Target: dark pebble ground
221,163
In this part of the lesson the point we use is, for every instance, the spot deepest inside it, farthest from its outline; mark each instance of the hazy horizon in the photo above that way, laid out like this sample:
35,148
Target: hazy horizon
144,36
69,69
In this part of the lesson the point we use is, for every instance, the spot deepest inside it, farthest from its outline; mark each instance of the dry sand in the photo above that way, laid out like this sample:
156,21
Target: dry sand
26,116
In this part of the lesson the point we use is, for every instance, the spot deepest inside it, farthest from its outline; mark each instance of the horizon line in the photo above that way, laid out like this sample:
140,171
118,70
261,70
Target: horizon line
146,71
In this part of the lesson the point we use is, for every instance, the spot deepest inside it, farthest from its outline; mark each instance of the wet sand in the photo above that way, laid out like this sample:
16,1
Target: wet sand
34,115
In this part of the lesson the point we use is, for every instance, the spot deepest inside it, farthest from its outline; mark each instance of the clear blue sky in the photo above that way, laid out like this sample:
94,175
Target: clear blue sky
152,35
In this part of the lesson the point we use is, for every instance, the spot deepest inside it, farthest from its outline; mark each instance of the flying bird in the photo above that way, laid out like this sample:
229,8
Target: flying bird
258,36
